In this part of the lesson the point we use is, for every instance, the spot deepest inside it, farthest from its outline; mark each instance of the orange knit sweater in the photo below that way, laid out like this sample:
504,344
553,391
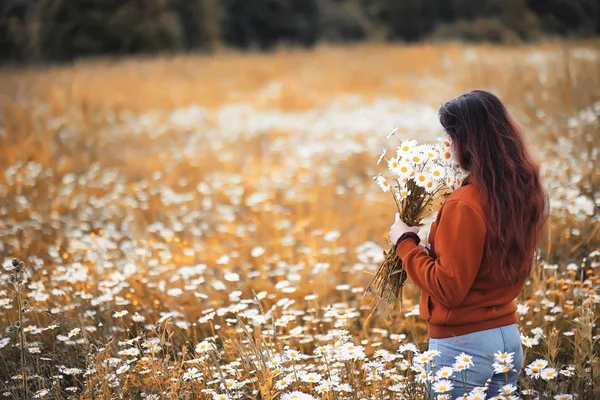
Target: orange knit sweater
457,296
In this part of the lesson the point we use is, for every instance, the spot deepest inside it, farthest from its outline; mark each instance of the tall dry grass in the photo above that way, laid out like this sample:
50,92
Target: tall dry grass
119,196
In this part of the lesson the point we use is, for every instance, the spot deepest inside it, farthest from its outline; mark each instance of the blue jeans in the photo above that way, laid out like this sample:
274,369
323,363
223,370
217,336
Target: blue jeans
481,346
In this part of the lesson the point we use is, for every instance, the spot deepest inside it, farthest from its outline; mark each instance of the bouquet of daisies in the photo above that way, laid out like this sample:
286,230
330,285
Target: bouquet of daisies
417,175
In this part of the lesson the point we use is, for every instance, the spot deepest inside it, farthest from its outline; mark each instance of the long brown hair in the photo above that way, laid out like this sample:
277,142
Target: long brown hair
490,146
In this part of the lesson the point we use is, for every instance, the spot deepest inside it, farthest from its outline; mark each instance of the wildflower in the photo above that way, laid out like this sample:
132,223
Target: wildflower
403,169
381,156
204,347
409,347
535,368
500,357
138,318
323,349
502,368
293,354
563,397
70,371
421,179
120,314
231,276
403,193
422,377
476,394
73,332
322,388
331,236
529,342
446,155
191,373
430,186
538,333
274,362
442,386
175,292
257,251
132,351
444,372
548,374
312,377
122,369
41,393
282,383
416,156
220,396
430,152
345,387
465,358
405,148
393,132
423,358
460,366
507,389
437,173
232,384
296,395
350,351
393,165
444,141
522,309
383,183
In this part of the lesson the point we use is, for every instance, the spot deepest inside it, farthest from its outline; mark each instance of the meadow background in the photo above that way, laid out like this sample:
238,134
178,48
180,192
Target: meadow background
189,221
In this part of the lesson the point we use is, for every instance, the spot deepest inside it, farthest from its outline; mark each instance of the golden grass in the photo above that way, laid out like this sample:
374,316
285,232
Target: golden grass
113,165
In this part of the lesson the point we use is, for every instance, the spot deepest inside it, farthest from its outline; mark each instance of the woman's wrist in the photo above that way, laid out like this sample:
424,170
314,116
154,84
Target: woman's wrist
407,235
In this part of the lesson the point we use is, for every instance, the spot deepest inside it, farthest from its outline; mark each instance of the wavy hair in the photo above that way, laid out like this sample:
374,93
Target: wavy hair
490,146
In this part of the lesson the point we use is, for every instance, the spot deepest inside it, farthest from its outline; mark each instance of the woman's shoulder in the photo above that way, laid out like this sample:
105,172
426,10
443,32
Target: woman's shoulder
469,194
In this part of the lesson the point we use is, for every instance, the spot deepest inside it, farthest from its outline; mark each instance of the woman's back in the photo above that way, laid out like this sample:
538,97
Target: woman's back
462,295
481,245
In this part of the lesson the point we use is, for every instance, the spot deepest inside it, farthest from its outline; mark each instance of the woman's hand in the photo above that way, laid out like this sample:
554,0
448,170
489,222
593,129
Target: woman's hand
399,228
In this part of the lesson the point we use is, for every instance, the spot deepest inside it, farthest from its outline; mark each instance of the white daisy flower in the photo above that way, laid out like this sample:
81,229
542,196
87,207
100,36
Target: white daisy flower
444,373
381,156
383,183
442,386
548,374
406,148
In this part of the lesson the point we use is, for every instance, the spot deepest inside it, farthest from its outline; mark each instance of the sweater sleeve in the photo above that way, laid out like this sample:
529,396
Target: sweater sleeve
458,243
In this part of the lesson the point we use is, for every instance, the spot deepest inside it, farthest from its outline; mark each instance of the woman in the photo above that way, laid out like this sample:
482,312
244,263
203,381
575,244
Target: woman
481,246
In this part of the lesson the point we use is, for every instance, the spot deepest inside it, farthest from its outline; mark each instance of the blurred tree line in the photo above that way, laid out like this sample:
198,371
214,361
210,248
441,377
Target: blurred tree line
62,30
